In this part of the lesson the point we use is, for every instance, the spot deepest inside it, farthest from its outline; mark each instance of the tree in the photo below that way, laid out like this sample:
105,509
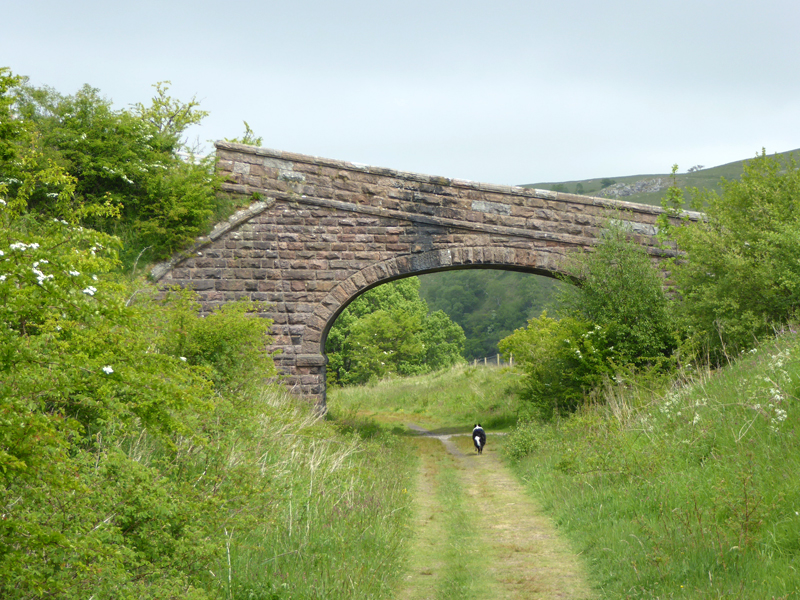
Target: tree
621,290
739,278
616,319
387,331
170,117
488,304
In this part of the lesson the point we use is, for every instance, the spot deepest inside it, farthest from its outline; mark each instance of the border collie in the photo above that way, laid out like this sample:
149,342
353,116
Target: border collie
479,438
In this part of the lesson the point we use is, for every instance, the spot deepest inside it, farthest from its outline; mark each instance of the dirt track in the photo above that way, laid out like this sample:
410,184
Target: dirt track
506,546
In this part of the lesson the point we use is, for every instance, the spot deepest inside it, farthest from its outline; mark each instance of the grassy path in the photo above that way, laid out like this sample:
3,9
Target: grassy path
478,535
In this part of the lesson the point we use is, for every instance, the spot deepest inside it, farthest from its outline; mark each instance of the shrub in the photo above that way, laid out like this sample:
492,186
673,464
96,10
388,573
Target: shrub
615,321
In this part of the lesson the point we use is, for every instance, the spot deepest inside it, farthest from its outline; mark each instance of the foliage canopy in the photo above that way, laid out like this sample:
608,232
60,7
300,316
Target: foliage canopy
388,331
132,162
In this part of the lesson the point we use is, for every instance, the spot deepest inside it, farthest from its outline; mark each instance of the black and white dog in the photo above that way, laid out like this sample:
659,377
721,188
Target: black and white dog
479,438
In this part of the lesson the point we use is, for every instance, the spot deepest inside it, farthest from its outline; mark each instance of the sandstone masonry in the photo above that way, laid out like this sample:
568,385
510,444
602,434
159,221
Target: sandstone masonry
319,232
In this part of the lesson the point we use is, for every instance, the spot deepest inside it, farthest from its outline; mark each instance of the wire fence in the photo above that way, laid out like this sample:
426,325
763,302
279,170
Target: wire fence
495,360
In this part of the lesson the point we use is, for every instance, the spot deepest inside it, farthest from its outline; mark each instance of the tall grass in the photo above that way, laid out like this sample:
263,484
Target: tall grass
335,522
689,493
292,506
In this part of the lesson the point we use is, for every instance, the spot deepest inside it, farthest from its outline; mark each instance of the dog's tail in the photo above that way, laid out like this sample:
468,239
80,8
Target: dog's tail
478,441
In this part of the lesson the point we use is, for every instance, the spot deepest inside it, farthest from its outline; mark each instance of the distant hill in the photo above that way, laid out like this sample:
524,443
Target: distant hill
649,189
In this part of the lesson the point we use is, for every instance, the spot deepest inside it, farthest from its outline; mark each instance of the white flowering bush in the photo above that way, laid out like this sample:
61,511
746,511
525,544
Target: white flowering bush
96,411
129,160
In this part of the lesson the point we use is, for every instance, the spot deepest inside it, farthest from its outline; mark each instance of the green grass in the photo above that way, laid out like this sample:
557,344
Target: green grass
338,508
447,401
691,494
464,576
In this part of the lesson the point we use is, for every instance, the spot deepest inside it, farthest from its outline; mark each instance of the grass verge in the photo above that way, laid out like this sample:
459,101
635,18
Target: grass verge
335,522
689,494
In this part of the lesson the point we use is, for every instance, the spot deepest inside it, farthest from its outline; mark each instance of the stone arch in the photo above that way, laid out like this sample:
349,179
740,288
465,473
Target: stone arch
319,232
327,311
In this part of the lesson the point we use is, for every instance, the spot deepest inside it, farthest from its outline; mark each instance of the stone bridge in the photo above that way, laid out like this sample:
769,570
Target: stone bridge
319,232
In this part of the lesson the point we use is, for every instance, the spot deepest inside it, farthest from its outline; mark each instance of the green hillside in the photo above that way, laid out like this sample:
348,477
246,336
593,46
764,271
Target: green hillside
702,178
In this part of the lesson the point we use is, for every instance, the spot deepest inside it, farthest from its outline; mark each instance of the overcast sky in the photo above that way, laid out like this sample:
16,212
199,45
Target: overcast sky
506,91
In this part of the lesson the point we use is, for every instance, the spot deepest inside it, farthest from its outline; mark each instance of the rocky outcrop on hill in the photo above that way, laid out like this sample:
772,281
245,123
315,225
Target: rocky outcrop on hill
643,186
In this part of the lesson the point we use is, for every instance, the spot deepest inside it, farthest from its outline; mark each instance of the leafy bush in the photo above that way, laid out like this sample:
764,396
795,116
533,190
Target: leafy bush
90,405
615,321
563,361
232,341
388,331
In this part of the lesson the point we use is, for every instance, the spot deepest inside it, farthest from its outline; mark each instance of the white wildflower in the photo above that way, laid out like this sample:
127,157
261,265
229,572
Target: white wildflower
183,358
74,273
40,277
22,246
90,290
108,370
